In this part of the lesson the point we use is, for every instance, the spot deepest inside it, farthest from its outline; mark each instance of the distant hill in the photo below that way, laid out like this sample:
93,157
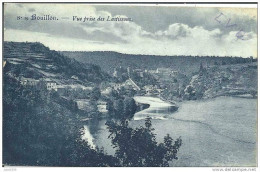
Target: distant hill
108,60
34,60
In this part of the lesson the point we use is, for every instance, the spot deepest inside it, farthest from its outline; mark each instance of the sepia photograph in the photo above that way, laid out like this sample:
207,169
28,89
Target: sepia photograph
129,85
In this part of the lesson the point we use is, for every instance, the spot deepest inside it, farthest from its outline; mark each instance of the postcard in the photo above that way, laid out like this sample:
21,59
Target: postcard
129,85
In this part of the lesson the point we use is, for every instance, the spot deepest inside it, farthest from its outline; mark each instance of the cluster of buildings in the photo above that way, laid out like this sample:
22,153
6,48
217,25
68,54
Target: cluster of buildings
119,71
164,72
128,84
152,90
159,71
49,84
164,75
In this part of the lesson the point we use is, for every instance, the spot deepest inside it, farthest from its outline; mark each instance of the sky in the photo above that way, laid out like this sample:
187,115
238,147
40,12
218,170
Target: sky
152,30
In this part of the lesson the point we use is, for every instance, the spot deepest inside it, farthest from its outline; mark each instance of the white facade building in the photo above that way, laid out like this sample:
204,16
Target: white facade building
51,86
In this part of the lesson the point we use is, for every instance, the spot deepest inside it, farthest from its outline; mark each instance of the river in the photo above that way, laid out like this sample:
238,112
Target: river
215,132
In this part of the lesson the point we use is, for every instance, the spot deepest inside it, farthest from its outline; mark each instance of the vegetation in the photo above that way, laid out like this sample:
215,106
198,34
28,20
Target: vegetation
139,148
184,64
40,129
121,108
147,79
120,104
222,80
95,94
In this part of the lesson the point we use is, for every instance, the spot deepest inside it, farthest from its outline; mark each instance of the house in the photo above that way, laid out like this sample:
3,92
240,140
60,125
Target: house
28,81
102,106
117,86
163,70
139,72
51,86
152,71
119,71
115,73
106,91
174,72
83,104
132,84
152,90
128,84
129,71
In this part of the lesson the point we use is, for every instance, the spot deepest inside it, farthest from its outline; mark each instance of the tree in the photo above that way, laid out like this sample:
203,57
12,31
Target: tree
129,107
122,91
95,94
189,93
110,107
201,67
253,93
77,152
139,148
114,94
119,108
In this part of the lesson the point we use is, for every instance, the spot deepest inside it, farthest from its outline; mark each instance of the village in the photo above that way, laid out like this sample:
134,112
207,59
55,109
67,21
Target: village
53,84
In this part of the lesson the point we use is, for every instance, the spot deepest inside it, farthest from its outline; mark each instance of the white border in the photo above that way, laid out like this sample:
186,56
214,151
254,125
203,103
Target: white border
112,169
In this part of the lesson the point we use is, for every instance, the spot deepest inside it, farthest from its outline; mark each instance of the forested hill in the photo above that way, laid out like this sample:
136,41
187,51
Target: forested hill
34,60
108,60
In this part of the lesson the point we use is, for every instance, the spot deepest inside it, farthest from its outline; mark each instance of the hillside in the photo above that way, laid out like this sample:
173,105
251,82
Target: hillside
34,60
108,60
226,80
239,79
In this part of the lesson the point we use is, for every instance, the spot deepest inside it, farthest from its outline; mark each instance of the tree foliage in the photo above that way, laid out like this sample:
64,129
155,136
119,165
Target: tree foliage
139,148
121,108
40,130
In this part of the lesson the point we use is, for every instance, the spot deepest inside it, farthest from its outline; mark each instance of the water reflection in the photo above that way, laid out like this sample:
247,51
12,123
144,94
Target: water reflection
163,110
87,136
